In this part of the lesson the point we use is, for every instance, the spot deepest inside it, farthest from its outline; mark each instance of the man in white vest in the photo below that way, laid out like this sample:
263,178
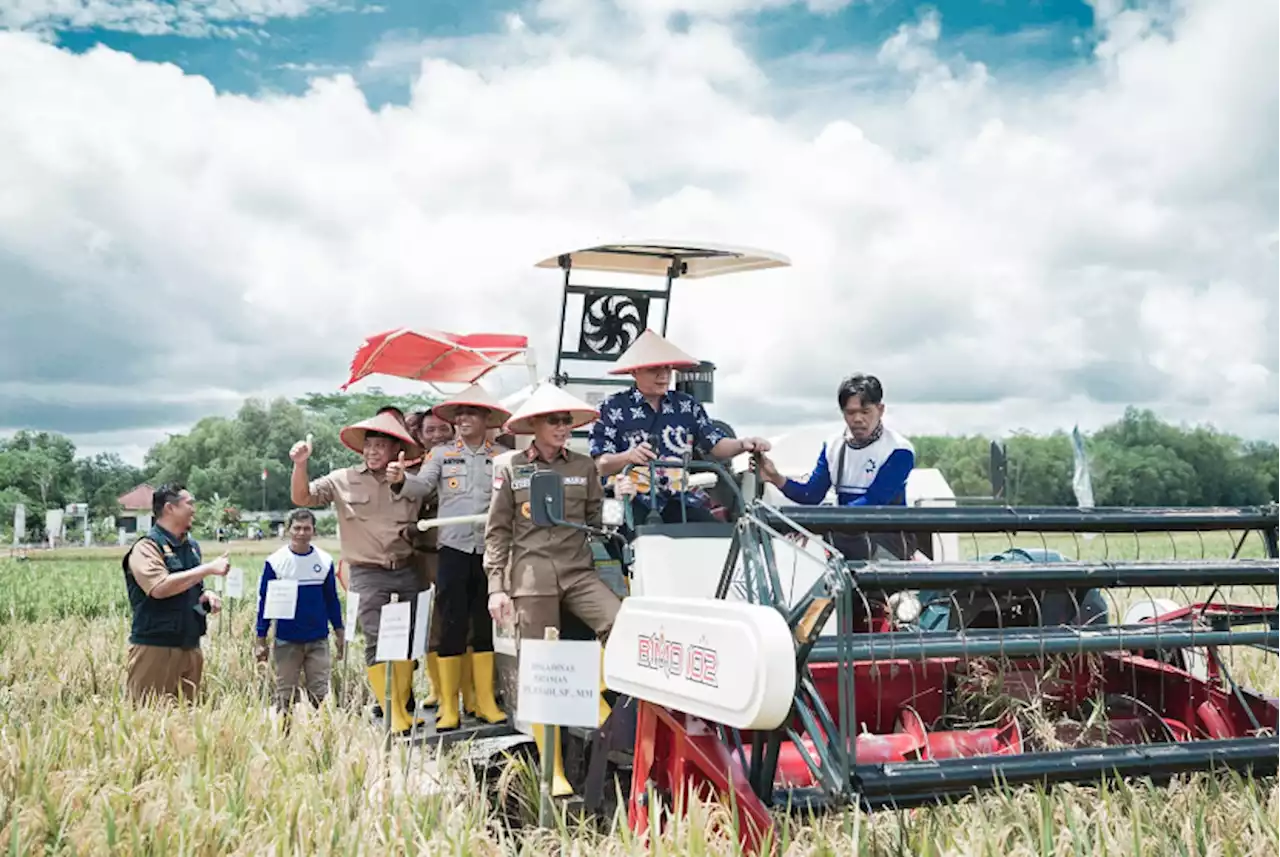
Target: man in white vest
866,463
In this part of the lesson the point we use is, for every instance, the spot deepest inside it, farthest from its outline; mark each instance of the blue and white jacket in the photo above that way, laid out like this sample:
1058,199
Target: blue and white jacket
875,475
318,604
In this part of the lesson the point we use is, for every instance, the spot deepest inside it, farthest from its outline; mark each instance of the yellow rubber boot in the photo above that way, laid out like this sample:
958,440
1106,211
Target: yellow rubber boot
468,687
605,710
450,677
559,784
482,673
433,673
378,684
401,688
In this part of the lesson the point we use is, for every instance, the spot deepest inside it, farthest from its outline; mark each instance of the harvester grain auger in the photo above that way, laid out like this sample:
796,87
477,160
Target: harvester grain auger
788,676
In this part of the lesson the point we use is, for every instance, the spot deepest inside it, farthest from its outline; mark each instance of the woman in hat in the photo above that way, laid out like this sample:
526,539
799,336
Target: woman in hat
461,475
550,567
372,522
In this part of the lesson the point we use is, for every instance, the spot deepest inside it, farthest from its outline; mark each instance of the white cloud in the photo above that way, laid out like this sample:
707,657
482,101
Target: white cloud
195,18
1002,253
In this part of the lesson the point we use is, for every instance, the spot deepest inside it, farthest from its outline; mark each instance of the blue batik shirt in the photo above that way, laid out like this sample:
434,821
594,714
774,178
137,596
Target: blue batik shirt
680,426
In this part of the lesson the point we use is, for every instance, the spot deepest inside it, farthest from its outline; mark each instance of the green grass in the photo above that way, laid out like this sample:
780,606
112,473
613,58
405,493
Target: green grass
83,771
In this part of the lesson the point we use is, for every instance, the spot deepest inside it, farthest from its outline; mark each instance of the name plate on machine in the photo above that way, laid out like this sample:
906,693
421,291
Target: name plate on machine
731,663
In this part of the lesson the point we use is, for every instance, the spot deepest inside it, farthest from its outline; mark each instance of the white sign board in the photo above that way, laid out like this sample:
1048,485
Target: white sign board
235,583
393,632
560,683
281,601
422,627
353,611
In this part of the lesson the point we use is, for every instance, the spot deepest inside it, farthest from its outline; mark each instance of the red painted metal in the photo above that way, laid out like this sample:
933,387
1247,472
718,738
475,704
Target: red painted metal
899,707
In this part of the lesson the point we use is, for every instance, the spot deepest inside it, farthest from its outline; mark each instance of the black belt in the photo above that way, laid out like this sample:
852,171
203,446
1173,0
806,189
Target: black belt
360,565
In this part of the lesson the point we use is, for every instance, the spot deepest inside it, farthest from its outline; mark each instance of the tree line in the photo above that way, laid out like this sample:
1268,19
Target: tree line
1138,460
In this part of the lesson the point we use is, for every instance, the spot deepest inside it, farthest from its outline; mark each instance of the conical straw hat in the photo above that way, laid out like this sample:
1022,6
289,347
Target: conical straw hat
476,397
649,351
353,435
550,399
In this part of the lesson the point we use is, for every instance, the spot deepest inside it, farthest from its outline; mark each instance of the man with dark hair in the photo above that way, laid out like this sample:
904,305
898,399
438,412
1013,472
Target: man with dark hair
301,647
867,464
164,577
372,525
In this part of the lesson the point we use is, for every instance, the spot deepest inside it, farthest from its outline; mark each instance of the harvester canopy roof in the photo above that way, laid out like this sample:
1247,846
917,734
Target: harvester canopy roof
654,258
434,356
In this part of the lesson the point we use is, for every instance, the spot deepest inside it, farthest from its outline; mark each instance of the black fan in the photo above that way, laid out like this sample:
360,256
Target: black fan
610,323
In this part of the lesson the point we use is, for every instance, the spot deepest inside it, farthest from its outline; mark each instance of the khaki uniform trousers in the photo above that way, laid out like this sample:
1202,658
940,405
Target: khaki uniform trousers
375,587
582,592
164,671
309,662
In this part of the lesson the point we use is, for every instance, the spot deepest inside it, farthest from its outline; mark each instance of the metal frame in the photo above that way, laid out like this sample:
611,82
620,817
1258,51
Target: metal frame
827,743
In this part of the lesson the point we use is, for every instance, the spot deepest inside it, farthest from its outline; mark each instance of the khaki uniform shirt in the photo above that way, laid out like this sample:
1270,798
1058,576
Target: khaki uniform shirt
538,556
462,478
372,519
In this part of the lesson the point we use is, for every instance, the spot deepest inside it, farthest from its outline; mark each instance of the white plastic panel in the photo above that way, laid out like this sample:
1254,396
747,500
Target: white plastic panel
732,663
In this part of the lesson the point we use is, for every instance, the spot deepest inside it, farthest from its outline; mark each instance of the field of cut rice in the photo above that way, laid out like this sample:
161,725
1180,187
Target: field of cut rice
82,771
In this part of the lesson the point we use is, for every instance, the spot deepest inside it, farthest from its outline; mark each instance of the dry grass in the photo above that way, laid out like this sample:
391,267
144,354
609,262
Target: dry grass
82,771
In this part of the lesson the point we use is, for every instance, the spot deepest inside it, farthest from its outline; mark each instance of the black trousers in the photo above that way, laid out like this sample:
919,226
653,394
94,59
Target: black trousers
462,596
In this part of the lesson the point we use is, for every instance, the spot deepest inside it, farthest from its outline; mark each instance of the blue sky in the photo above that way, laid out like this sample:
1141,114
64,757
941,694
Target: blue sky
280,54
1019,214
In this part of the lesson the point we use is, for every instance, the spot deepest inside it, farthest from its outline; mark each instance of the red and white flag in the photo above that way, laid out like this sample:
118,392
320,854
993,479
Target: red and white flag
264,474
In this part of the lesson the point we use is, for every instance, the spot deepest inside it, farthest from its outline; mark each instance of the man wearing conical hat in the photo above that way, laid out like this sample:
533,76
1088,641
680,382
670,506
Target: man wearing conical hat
461,474
550,567
649,420
372,521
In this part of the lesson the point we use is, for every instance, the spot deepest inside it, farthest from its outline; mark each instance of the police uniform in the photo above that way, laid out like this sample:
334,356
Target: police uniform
549,566
461,477
164,640
542,568
373,522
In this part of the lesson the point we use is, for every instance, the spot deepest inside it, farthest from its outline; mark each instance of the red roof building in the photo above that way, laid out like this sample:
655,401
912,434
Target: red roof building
136,499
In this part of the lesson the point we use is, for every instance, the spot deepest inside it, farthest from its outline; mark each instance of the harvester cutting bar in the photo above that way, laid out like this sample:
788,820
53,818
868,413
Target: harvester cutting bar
1032,642
999,519
1009,576
906,784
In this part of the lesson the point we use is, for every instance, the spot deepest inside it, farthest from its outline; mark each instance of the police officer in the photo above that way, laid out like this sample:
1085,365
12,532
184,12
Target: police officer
549,566
461,474
372,522
164,576
429,431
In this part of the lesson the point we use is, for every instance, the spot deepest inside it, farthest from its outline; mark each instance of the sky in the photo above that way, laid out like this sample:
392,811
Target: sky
1019,214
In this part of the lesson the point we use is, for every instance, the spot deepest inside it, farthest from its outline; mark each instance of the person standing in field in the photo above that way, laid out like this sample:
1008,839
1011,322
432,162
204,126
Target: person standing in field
301,646
430,431
461,475
164,575
372,524
536,572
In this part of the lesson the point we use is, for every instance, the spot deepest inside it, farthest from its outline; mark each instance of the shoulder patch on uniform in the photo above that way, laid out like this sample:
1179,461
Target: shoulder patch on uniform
498,479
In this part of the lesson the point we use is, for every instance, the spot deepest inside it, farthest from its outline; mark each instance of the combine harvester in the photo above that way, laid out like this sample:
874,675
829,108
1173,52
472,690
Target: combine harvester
756,665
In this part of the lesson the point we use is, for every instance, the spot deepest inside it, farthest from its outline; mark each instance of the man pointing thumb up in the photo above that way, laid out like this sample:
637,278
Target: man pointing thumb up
395,470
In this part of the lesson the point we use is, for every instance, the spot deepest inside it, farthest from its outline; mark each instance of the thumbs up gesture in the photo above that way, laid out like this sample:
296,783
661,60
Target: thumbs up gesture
395,470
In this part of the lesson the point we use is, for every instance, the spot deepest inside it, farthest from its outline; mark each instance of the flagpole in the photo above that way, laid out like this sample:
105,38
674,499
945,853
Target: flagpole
264,489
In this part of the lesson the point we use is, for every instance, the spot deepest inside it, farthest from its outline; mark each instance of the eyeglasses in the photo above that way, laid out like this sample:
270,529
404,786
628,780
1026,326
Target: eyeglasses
559,419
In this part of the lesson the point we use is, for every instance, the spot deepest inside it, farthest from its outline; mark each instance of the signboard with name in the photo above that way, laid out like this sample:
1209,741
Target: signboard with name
235,583
282,600
393,632
422,627
559,683
353,611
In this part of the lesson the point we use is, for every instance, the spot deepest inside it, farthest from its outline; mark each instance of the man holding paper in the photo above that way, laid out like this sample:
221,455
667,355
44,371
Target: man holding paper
461,474
372,522
302,574
164,575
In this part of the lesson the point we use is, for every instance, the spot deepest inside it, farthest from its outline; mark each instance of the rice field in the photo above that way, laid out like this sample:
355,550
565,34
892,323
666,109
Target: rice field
82,771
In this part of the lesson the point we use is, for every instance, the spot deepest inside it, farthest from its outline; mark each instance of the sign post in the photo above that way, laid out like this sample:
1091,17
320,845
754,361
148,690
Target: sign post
393,645
559,686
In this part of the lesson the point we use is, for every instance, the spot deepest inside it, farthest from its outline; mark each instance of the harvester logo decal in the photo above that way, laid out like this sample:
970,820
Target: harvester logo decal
698,664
